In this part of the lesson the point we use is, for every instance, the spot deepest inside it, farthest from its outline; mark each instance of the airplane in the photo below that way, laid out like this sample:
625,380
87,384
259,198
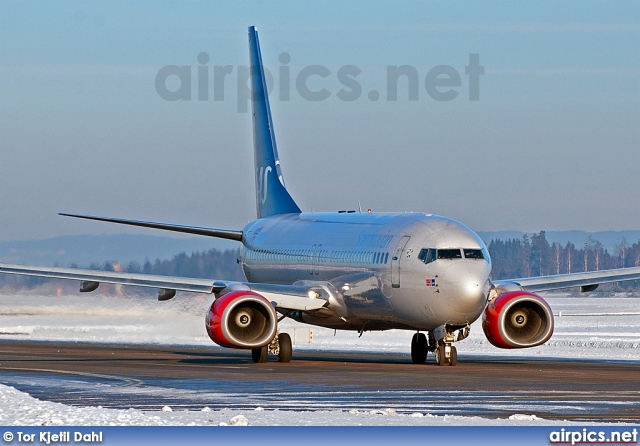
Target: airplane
348,270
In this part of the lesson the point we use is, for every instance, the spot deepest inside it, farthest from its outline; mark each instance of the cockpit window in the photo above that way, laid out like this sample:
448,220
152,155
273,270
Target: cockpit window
473,254
427,255
423,254
449,254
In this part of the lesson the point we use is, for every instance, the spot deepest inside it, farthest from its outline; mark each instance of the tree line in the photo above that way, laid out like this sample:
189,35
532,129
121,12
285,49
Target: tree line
205,265
518,257
534,256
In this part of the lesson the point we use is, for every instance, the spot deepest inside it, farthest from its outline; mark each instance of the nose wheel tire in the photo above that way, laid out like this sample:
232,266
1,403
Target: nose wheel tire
441,358
419,348
286,350
453,358
259,355
439,353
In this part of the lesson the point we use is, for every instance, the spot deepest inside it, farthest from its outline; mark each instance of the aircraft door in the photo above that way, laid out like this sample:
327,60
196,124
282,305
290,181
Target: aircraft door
395,261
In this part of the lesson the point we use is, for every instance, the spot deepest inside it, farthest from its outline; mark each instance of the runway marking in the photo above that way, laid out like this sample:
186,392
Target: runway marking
187,364
128,381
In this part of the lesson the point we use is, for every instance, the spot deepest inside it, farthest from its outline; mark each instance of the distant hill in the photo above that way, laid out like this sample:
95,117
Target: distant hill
86,249
609,239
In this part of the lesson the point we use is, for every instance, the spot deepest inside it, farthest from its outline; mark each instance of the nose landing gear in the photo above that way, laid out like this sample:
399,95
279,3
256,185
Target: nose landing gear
440,342
446,354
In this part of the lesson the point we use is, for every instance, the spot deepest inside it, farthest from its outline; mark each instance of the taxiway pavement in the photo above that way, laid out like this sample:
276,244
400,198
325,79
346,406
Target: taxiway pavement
149,377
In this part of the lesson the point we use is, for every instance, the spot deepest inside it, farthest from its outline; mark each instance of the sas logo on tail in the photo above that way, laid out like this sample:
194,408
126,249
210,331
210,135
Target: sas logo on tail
262,177
431,282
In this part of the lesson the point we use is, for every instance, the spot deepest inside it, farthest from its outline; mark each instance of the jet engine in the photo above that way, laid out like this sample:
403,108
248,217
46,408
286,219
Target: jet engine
241,319
517,319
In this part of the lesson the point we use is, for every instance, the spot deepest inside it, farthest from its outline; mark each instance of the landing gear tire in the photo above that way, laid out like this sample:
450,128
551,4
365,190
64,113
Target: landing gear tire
453,358
419,348
440,356
259,355
286,350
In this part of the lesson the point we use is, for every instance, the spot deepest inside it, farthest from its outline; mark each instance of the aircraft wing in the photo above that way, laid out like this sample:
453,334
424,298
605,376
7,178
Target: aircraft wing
283,297
588,281
230,234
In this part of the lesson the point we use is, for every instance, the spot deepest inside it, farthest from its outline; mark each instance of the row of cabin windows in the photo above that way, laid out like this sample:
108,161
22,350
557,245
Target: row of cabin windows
297,255
378,258
428,255
308,256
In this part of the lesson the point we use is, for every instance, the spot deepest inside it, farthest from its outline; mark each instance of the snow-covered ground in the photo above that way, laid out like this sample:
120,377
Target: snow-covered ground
602,328
585,327
20,409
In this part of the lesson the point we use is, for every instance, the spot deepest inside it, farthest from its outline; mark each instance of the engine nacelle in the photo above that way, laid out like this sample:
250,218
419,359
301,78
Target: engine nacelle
518,319
242,319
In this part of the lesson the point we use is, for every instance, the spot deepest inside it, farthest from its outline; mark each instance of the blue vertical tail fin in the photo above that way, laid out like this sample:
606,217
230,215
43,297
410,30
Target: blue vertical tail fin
272,197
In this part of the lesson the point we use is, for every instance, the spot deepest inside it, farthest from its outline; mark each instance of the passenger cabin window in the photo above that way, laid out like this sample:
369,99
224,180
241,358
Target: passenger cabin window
473,254
449,254
427,255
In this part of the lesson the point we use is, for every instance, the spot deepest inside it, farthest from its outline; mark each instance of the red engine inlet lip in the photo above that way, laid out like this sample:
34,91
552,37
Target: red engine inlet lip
495,319
221,311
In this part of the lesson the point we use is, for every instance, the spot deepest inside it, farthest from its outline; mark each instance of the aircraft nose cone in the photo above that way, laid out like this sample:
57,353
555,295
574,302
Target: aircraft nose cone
465,287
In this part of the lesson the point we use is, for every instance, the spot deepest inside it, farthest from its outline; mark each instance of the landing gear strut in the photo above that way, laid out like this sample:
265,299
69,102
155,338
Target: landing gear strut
280,346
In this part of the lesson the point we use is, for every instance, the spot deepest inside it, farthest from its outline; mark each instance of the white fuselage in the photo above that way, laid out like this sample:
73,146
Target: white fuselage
377,264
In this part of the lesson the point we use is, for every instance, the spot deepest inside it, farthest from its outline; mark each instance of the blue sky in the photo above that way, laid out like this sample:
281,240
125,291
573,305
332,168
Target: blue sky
552,143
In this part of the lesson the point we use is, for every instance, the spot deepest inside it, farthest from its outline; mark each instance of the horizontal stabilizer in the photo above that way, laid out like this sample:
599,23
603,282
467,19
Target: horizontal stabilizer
229,234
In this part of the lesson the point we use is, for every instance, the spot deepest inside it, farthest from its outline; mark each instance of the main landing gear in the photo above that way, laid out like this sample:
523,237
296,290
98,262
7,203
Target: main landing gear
419,348
280,346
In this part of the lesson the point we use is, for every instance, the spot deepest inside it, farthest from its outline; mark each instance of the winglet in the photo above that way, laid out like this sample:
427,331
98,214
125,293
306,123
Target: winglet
272,197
